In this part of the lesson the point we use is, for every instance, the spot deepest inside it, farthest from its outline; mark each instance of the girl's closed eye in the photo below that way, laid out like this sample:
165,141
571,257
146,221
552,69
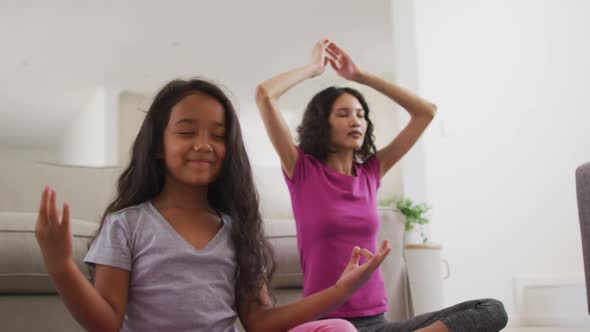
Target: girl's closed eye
219,137
218,134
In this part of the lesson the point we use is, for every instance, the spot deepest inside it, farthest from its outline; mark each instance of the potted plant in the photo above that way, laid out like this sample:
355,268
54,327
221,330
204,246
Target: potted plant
415,215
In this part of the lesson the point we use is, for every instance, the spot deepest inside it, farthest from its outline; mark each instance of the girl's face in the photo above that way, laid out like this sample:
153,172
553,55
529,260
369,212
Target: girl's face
194,140
347,123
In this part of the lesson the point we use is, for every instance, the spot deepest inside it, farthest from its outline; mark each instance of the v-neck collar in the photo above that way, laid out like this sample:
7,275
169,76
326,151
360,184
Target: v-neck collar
211,244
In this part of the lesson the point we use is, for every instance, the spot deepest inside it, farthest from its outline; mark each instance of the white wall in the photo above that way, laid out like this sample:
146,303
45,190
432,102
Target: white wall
91,138
131,112
83,141
48,154
510,79
112,97
413,173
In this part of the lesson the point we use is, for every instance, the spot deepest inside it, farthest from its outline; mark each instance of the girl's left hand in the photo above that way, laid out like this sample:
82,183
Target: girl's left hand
355,275
342,63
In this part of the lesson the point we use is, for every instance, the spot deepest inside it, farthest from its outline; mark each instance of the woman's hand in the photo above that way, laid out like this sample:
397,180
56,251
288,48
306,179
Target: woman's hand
54,237
342,63
355,275
319,57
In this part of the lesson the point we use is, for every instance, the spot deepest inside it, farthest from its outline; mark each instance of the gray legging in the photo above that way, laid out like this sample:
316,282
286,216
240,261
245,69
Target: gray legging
486,315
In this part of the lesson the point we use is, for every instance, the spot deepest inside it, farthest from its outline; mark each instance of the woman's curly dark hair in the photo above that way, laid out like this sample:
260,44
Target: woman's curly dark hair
233,192
314,130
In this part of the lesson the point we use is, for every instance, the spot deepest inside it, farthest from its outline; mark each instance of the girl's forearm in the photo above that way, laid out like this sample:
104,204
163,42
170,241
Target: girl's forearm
283,318
83,301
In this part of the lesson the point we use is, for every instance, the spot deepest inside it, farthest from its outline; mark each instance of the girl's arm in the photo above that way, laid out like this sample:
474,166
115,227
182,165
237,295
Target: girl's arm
267,96
263,317
421,111
96,309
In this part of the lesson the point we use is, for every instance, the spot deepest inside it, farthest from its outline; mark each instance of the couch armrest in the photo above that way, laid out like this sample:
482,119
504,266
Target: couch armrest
583,189
22,270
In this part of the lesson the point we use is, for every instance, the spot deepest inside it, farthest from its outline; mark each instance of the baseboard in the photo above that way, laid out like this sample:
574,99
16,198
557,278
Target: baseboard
550,301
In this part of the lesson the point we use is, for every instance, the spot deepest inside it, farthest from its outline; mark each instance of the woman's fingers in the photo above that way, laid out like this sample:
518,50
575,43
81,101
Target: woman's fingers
354,258
376,260
333,55
334,64
383,245
323,41
322,44
367,254
319,54
383,250
384,253
337,49
380,257
340,53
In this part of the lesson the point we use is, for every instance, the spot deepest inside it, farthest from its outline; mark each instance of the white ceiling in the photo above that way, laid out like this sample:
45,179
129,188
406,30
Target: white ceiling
54,53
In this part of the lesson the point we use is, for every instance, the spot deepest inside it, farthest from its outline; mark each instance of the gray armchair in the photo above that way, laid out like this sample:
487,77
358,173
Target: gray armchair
583,188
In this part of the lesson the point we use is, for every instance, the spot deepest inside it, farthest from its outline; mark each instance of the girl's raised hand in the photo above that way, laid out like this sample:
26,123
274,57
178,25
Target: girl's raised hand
355,275
342,63
319,56
53,236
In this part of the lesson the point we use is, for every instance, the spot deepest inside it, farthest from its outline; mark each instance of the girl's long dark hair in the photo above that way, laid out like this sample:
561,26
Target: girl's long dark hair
233,192
314,130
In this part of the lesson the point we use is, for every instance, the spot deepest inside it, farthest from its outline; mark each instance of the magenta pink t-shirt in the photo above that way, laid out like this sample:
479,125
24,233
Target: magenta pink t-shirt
335,212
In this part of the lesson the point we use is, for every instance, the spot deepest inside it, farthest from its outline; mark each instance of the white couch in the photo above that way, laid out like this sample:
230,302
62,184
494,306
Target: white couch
28,301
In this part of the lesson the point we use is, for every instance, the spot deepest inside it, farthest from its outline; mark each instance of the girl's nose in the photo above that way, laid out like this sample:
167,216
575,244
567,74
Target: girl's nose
201,143
203,147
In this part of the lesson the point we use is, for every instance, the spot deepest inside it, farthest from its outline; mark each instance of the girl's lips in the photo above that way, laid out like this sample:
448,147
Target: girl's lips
200,162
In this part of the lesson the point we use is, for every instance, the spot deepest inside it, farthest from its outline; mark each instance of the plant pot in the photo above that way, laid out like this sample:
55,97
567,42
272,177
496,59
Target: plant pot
425,274
413,236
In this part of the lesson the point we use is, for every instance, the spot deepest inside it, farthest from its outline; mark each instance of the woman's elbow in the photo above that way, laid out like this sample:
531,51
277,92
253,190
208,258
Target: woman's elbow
432,110
262,95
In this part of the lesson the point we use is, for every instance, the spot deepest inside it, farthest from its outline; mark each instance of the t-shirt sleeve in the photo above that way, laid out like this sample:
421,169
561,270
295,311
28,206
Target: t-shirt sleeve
372,167
111,246
299,170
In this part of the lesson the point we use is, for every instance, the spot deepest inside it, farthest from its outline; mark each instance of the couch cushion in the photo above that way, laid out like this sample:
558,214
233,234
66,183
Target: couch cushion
282,235
22,270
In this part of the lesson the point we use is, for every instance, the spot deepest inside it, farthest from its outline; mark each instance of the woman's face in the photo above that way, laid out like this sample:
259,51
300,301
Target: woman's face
347,123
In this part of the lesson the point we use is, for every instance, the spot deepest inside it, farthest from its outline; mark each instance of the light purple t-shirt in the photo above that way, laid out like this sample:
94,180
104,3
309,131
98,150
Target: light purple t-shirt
172,285
335,212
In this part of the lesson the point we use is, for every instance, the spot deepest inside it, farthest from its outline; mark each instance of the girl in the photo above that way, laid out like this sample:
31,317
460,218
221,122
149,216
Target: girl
333,177
181,248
